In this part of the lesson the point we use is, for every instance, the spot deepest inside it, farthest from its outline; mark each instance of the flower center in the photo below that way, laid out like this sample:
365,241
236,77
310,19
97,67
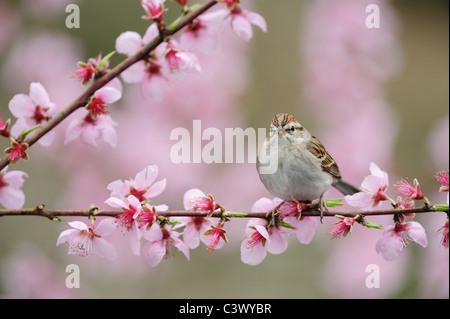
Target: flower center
38,115
97,107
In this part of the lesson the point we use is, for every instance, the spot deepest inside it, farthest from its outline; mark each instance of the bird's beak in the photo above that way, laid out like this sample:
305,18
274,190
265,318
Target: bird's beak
279,129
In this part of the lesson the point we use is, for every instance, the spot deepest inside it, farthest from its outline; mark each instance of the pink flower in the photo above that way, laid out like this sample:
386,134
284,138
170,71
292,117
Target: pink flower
374,190
143,186
87,71
203,33
98,104
149,72
196,200
442,177
290,213
444,231
260,239
89,129
4,128
86,240
11,195
17,151
342,227
154,9
229,3
180,62
159,242
31,110
217,237
292,209
396,237
405,204
242,20
131,207
195,227
408,190
194,231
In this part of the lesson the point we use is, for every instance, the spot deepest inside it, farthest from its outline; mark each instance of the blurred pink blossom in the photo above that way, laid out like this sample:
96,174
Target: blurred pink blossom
87,71
444,233
442,177
204,33
180,62
241,22
4,131
154,9
28,272
16,152
90,129
11,194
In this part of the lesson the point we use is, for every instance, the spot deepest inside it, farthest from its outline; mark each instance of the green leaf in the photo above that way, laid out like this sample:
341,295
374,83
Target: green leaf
369,224
441,207
26,132
284,224
105,58
174,222
333,202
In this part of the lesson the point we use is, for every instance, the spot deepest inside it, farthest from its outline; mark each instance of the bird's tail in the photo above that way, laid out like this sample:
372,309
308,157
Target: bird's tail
346,188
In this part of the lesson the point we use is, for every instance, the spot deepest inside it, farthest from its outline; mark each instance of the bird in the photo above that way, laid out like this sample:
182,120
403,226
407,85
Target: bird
301,167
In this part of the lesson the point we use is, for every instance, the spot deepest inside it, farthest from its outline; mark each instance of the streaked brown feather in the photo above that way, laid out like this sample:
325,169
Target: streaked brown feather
282,119
328,163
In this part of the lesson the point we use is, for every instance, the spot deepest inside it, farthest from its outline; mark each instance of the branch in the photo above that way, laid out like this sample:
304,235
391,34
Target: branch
54,214
83,99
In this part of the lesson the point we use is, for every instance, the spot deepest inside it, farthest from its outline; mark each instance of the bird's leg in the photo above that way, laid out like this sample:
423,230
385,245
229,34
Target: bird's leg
273,211
322,206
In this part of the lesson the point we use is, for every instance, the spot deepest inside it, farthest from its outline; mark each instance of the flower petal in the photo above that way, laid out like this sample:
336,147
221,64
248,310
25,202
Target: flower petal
189,196
39,95
21,105
254,255
154,252
104,249
105,227
154,233
417,233
128,43
108,94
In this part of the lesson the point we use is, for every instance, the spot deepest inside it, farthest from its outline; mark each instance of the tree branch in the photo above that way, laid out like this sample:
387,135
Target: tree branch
54,214
83,99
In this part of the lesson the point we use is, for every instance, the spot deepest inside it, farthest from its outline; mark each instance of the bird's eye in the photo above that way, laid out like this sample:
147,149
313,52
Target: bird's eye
292,128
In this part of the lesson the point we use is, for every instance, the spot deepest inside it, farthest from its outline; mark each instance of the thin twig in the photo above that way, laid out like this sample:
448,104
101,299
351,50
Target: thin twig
83,99
52,214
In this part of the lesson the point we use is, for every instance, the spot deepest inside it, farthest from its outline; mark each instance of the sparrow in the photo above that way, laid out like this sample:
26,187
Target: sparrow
303,169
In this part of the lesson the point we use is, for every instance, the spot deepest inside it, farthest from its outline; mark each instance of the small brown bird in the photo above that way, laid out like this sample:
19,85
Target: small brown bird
304,169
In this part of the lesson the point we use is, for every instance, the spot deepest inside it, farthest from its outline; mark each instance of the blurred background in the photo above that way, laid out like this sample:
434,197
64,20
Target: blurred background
376,95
